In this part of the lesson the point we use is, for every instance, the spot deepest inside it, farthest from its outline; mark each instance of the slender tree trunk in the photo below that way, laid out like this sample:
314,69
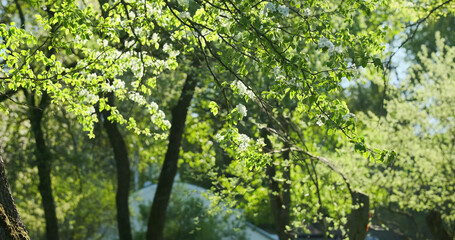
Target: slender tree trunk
43,160
123,175
359,217
11,226
436,225
169,170
279,197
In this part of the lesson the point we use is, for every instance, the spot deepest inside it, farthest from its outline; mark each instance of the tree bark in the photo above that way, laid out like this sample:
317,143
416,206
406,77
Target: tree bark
11,226
157,216
279,197
434,222
123,174
359,217
43,160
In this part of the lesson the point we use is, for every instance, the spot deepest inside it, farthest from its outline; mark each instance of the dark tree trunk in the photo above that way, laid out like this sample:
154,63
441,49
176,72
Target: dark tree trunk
169,170
287,184
123,175
279,208
43,161
11,227
434,222
279,196
359,217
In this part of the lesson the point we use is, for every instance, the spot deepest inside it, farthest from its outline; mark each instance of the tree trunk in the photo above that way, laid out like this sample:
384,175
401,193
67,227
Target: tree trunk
434,222
43,160
11,227
157,216
279,198
123,175
359,217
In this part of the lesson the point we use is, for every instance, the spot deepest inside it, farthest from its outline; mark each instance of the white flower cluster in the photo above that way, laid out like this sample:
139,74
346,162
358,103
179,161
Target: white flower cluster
349,116
243,142
320,117
282,9
106,87
137,97
158,116
243,90
307,12
90,110
241,109
155,38
152,107
167,48
324,42
167,123
119,84
88,96
219,137
129,44
278,73
270,7
79,40
185,14
102,42
137,67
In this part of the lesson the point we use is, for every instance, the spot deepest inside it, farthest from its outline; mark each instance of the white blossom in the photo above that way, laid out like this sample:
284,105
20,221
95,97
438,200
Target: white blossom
277,71
119,84
349,116
320,117
219,137
83,92
167,47
155,37
307,12
129,44
239,36
240,87
243,90
241,109
153,106
79,40
159,116
283,9
279,76
167,123
106,87
250,94
174,53
185,14
338,49
88,96
260,142
324,42
137,97
90,110
269,7
244,142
